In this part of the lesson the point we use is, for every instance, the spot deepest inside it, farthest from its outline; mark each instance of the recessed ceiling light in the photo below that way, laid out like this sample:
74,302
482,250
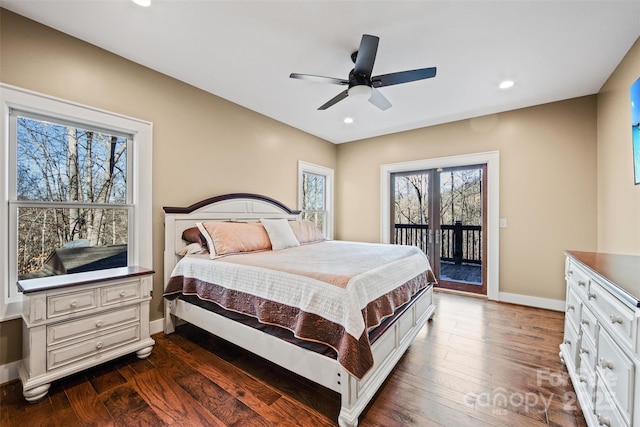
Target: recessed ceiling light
506,84
348,120
143,3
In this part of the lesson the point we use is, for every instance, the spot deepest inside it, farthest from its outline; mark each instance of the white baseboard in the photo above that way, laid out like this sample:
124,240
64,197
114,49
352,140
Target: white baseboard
9,371
156,326
546,303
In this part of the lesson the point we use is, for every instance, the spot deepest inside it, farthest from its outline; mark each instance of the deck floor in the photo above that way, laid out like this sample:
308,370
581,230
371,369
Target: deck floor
468,273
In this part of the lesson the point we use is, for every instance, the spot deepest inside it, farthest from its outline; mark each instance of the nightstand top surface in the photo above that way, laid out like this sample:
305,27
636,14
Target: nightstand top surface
67,280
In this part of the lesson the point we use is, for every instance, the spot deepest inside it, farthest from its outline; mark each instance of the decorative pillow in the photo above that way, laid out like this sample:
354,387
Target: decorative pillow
280,234
226,238
194,235
306,231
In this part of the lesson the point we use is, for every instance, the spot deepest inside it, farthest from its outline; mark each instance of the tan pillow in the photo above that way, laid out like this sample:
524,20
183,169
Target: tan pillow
306,231
235,237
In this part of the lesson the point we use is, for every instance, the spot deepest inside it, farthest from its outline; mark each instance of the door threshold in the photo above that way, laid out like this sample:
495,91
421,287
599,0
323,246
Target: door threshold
461,293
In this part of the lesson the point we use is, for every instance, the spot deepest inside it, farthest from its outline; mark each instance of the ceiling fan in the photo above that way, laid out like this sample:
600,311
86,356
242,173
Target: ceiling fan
361,83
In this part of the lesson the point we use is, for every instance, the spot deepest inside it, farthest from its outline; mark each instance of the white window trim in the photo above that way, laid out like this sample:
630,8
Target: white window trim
492,160
141,155
328,174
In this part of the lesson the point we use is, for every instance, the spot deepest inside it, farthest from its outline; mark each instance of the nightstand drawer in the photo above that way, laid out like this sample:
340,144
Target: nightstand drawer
59,305
61,332
91,347
120,293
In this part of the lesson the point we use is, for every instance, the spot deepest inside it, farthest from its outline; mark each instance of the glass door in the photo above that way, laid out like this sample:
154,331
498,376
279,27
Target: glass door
441,211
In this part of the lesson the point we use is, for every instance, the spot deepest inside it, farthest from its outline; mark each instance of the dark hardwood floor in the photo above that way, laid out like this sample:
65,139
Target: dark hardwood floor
477,363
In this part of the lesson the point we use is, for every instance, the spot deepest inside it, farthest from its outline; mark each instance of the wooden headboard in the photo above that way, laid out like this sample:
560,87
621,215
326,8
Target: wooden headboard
228,207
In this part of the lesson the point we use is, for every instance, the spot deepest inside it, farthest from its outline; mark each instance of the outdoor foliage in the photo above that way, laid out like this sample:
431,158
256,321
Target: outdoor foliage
313,203
460,192
71,188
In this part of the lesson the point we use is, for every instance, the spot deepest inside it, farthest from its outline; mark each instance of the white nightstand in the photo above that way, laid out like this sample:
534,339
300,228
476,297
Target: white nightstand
74,322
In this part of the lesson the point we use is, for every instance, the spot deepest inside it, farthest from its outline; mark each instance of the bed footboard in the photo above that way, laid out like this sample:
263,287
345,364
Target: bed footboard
387,351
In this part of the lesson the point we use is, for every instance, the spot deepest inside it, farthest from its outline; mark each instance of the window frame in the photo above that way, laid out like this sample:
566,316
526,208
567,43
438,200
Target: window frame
327,173
140,179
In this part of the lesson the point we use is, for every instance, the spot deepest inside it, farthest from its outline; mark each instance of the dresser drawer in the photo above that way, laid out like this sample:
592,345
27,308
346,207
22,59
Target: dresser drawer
120,293
589,323
587,385
577,278
571,343
573,309
588,354
606,412
61,332
617,372
73,302
72,353
617,316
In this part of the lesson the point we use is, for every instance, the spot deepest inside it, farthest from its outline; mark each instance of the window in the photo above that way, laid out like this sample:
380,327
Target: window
76,183
315,195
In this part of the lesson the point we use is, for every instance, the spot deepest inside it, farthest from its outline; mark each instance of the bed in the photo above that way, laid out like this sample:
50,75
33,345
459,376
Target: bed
340,322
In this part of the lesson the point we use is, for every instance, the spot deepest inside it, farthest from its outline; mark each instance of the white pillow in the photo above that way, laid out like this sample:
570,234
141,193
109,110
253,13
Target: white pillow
280,233
193,248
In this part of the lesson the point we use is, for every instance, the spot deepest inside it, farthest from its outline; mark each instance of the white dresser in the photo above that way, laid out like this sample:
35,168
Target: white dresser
77,321
601,346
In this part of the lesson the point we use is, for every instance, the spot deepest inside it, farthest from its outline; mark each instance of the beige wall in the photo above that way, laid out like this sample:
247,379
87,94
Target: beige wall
203,145
618,197
547,185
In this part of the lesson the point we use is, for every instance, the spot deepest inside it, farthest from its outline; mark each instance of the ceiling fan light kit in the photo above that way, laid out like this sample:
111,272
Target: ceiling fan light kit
360,83
362,92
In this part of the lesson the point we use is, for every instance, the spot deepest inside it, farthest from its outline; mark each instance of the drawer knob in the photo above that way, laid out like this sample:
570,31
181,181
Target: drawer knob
99,324
567,341
74,303
571,307
604,421
606,364
584,350
570,272
585,322
581,283
616,319
99,345
123,293
591,295
583,379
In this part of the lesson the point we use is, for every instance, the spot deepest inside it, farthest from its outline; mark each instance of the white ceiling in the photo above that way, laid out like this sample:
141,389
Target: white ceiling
244,51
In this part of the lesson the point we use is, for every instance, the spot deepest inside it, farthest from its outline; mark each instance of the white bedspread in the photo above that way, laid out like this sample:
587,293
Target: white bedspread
333,279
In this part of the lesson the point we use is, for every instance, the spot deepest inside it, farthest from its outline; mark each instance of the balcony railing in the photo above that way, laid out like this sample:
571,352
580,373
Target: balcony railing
460,244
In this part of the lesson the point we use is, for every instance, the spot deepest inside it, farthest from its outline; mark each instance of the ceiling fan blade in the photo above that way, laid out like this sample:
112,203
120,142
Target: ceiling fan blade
379,100
319,79
339,97
403,77
366,55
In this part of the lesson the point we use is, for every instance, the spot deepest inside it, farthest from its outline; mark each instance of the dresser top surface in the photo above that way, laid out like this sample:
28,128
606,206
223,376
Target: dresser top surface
622,271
